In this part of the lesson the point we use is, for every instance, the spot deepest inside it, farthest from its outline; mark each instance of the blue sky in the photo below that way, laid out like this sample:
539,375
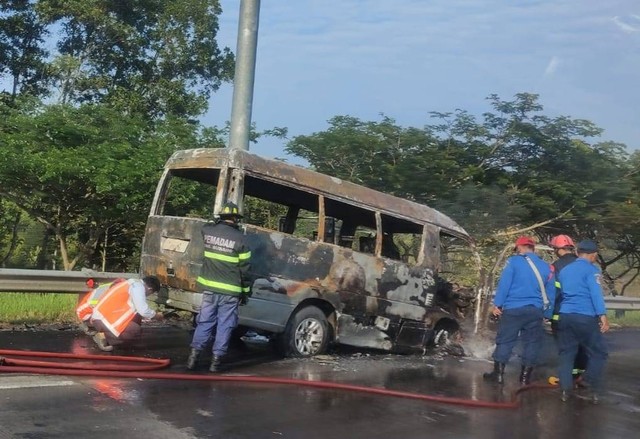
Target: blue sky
404,58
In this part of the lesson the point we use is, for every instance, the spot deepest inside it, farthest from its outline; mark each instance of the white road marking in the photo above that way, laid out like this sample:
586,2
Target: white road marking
29,381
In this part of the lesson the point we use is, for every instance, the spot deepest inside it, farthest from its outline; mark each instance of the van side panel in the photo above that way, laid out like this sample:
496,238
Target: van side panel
374,299
172,250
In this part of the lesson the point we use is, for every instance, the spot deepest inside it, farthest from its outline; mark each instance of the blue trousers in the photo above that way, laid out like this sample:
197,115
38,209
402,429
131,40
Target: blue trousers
219,312
576,330
524,322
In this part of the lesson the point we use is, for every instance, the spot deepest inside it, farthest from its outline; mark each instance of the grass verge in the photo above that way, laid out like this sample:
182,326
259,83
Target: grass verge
628,318
37,308
60,308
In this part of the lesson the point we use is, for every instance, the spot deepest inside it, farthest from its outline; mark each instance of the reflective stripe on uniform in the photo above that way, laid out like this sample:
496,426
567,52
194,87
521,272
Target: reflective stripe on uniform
226,258
222,286
555,317
557,283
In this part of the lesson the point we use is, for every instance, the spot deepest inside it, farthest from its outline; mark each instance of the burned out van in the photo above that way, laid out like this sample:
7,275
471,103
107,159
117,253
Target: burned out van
332,261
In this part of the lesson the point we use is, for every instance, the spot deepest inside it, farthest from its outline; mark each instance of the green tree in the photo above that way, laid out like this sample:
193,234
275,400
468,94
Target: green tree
407,162
86,171
541,162
9,231
514,170
150,57
22,55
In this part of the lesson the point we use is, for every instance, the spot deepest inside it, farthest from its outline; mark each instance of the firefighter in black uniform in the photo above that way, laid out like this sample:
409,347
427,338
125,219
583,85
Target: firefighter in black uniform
564,249
224,282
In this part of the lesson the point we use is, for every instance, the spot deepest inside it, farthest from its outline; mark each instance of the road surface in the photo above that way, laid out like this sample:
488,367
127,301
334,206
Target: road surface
35,406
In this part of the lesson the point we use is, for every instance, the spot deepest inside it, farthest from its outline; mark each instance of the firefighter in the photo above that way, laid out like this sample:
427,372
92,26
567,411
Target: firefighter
525,290
224,282
565,250
583,320
119,313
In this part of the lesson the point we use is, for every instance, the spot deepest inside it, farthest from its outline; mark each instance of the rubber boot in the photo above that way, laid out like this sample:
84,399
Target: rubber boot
497,374
193,359
525,375
216,364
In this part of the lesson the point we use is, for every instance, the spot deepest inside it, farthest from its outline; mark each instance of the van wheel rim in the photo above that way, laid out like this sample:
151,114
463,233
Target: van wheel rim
441,338
309,336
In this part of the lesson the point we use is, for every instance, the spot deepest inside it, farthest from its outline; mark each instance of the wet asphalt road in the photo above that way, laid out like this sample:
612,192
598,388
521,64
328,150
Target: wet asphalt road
33,406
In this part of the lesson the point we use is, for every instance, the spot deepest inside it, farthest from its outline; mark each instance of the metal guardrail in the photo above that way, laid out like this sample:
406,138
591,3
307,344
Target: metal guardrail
53,281
622,303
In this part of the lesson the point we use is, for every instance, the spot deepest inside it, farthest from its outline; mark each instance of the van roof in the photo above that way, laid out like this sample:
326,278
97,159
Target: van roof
315,182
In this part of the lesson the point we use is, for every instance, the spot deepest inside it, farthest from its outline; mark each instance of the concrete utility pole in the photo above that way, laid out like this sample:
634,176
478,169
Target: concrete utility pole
244,74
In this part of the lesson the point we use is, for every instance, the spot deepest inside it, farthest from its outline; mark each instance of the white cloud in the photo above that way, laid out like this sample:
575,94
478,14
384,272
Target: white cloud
552,66
626,27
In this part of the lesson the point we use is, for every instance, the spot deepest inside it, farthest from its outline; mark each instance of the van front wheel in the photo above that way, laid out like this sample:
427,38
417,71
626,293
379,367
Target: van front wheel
307,333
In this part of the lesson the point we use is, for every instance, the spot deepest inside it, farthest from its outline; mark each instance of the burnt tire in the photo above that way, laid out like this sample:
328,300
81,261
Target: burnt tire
447,338
308,333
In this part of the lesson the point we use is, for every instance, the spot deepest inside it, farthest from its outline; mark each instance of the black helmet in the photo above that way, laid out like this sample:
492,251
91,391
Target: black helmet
229,209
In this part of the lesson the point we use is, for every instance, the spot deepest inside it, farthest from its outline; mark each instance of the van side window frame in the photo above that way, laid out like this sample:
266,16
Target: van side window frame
321,220
429,254
235,191
378,250
160,197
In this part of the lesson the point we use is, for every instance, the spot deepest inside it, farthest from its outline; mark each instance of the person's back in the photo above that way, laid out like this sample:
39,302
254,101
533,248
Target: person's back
118,314
519,286
224,282
581,291
583,319
114,309
558,265
525,289
84,309
564,248
225,265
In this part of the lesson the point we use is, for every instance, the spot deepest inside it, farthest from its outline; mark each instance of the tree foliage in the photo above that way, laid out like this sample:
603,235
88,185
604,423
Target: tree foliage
22,55
86,129
512,169
151,58
84,171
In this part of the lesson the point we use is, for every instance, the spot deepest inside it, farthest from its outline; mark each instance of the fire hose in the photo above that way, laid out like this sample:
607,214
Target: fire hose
114,366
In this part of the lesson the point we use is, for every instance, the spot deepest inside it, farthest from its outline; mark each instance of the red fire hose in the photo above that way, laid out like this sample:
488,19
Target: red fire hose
115,366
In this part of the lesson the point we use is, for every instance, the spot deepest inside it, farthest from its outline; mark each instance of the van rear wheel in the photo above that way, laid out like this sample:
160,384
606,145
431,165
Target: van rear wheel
447,338
307,334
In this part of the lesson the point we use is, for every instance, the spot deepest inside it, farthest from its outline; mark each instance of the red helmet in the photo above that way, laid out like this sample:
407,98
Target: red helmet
525,240
562,241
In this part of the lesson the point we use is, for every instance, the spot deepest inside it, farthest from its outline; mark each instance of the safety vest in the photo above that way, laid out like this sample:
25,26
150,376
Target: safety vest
88,301
115,308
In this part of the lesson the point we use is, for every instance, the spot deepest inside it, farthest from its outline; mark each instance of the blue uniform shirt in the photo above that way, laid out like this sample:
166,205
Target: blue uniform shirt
581,290
518,285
